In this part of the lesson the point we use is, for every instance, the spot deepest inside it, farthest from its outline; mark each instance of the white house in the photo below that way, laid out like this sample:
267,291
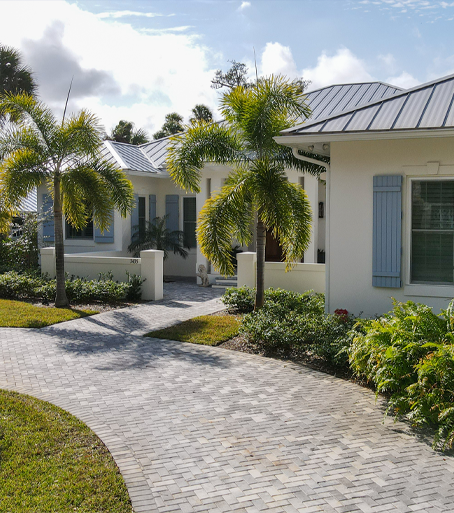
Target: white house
390,198
156,194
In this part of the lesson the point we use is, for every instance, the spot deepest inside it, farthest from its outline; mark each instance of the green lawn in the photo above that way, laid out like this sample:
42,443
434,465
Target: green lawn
51,462
209,330
18,314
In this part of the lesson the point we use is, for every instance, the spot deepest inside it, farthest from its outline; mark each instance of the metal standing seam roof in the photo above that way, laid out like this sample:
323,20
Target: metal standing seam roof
428,106
133,157
151,157
343,97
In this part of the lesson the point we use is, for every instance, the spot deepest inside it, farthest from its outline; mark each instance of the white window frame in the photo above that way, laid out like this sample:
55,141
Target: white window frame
419,289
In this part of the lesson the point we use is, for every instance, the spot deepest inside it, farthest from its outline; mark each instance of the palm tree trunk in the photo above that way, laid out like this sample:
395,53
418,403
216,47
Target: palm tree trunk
261,241
61,301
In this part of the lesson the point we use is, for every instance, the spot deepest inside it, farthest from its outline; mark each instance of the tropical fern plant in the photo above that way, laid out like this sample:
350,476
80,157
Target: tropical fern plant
157,236
257,190
37,149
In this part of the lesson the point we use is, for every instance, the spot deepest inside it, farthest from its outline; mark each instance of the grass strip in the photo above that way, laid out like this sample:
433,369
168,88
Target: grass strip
18,314
50,461
209,330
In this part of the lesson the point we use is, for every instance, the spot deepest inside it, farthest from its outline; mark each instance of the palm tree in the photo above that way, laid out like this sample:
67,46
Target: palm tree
257,189
201,114
125,132
65,156
14,76
172,125
157,236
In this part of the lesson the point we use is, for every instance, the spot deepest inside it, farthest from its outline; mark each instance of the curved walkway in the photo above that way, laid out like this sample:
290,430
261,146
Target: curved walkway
196,428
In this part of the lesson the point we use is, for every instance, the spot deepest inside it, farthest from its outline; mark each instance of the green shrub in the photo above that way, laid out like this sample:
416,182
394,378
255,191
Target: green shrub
20,252
14,285
289,320
239,300
409,354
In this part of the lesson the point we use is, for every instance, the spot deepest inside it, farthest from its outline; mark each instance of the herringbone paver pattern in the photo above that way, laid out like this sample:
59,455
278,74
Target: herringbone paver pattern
200,429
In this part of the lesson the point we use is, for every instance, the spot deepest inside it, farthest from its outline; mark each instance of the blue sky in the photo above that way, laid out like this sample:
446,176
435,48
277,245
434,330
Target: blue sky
139,60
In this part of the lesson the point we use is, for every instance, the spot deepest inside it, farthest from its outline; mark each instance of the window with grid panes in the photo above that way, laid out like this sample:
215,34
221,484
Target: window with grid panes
432,231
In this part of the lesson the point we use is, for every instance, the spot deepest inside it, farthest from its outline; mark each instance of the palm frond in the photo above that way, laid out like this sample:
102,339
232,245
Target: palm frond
19,174
80,134
201,143
30,113
224,218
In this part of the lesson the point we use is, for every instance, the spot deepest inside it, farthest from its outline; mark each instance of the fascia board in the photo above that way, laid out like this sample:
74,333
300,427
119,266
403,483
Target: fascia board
116,156
299,141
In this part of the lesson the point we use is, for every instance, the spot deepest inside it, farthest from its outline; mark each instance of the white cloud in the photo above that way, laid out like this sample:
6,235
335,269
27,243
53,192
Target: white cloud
244,5
119,72
404,80
343,67
276,59
123,14
389,62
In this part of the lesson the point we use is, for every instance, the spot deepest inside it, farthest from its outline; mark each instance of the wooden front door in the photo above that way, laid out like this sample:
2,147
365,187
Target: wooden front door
273,251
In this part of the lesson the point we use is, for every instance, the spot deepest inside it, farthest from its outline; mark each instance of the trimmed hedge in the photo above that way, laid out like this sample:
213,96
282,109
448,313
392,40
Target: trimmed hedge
14,285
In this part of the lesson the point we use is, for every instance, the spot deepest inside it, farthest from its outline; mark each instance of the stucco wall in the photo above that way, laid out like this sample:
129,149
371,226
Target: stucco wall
354,164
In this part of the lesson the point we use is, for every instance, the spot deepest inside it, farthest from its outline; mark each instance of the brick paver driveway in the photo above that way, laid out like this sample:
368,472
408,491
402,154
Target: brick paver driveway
203,429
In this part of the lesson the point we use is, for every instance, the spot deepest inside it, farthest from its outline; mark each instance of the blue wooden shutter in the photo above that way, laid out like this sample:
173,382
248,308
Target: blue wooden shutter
135,217
387,234
106,237
48,224
152,207
173,211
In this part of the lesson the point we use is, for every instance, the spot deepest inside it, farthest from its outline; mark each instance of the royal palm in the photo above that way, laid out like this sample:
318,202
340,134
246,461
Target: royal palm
257,190
65,156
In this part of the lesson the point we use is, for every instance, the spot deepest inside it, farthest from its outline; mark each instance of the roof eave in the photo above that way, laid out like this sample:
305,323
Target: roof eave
302,141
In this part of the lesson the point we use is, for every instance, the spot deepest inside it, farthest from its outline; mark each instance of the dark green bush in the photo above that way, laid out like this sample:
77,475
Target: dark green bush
239,300
289,320
409,354
79,290
19,252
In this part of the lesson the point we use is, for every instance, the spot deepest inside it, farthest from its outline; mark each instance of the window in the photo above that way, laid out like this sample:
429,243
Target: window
85,233
432,231
141,206
189,221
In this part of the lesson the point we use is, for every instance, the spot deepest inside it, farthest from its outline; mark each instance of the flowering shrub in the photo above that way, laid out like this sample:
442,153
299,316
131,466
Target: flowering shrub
341,314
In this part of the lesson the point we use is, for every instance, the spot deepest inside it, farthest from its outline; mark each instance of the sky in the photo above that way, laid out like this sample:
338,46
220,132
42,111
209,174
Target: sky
141,59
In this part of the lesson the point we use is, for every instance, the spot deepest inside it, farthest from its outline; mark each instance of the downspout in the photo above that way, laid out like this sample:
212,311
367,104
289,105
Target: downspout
328,221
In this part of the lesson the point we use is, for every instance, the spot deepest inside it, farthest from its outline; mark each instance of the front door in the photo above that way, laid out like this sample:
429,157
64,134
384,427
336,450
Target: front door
273,251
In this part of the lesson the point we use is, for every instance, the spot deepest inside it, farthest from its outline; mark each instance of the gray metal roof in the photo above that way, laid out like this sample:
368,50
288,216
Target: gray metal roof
30,203
151,157
132,157
156,151
428,106
343,97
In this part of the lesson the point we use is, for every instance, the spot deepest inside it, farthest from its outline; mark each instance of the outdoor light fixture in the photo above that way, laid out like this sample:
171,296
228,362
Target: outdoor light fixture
311,147
326,147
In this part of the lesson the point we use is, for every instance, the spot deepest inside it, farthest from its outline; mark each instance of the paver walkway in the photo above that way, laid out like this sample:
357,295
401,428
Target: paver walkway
196,428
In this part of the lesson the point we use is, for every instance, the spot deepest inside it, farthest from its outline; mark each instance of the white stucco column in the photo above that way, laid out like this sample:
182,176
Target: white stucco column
152,269
48,261
201,197
311,188
246,268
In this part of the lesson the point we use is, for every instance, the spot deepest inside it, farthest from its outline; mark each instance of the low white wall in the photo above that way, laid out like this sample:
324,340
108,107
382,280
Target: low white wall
301,278
149,266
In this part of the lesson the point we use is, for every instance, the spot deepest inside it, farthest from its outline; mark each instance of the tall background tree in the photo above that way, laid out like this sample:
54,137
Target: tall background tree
173,124
201,114
15,77
236,76
257,188
65,156
126,132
